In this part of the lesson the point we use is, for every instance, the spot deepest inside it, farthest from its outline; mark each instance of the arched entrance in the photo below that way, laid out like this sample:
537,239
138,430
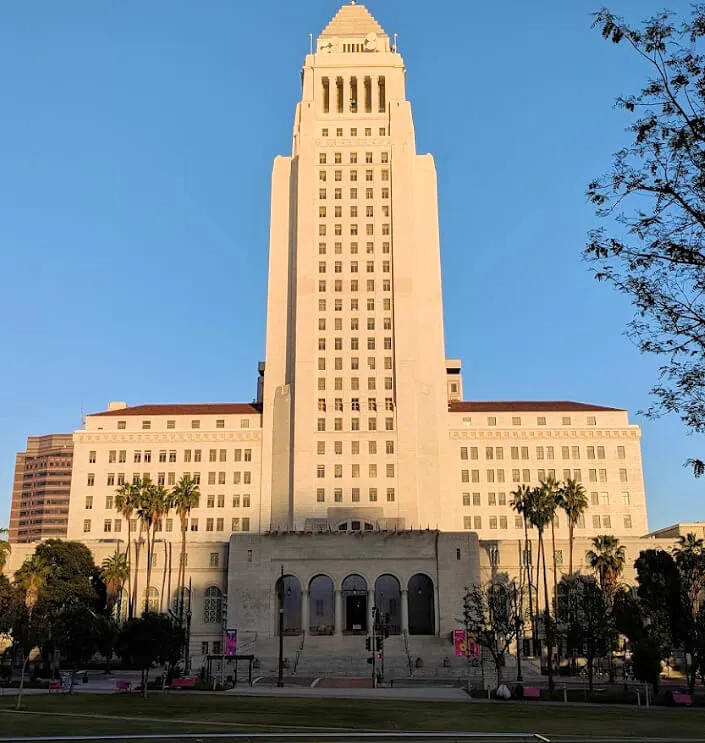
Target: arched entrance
354,594
388,602
422,616
290,587
321,612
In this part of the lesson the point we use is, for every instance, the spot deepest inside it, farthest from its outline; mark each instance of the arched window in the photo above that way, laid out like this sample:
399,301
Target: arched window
355,608
321,606
422,618
388,602
288,588
212,605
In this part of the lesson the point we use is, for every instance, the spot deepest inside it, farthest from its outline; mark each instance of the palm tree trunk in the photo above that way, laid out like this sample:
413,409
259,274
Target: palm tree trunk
571,527
149,568
128,555
182,570
555,567
547,618
527,568
137,567
161,595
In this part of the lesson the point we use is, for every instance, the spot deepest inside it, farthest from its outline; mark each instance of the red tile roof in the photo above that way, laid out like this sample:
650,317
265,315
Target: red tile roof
525,406
208,408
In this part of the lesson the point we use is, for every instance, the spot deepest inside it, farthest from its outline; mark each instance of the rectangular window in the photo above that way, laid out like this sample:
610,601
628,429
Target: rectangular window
621,452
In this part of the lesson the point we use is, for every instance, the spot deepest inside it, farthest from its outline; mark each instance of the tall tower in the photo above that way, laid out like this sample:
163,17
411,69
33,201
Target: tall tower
355,402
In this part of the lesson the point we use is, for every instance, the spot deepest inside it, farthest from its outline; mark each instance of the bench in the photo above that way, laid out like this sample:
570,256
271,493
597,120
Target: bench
187,682
123,685
684,700
531,692
56,685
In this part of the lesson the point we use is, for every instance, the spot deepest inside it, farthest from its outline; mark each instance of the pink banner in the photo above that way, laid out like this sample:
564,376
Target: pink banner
231,642
471,650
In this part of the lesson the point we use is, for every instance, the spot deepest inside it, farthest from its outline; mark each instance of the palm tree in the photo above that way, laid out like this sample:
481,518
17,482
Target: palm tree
574,502
607,559
154,503
114,571
31,578
541,509
689,556
519,503
5,549
552,490
126,498
185,496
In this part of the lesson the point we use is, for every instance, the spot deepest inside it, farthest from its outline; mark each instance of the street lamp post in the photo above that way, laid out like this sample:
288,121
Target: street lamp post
280,674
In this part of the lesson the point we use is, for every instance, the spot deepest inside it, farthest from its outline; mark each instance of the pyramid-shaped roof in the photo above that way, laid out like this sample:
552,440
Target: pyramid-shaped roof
352,20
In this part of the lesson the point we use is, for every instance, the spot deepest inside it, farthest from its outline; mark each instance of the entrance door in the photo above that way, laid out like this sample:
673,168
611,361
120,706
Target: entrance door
356,614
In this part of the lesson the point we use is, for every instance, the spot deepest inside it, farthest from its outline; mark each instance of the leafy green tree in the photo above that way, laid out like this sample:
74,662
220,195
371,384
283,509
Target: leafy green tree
491,614
9,604
574,502
5,549
653,249
73,578
185,496
151,639
583,613
646,659
107,630
75,633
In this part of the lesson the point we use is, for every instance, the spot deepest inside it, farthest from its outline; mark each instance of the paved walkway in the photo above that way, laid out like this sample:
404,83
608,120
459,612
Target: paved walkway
426,693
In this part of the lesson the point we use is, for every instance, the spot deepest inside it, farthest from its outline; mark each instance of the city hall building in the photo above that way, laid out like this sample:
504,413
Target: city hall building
360,474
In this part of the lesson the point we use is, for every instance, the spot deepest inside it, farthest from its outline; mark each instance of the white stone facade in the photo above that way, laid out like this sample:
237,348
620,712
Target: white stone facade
360,457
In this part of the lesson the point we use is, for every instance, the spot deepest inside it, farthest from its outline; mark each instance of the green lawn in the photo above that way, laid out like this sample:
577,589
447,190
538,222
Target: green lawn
86,714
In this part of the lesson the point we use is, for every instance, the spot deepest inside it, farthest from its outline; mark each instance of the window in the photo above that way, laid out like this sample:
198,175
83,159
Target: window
621,453
491,420
541,420
565,420
86,525
390,495
212,605
194,524
591,420
627,522
107,525
146,425
625,499
467,522
623,475
91,479
122,425
516,421
89,502
195,424
91,457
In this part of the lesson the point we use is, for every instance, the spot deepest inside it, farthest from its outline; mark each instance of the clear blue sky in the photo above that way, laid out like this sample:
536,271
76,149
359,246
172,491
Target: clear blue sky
136,143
